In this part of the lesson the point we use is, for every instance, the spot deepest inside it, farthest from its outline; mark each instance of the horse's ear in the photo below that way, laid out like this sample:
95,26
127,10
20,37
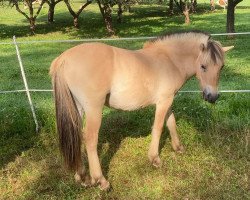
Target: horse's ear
202,47
225,49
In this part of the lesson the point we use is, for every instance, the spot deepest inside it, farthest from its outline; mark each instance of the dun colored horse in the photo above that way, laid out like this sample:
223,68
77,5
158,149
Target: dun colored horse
91,75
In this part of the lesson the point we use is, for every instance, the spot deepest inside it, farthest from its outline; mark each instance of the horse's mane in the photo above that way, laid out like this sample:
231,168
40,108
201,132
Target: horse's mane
179,34
213,48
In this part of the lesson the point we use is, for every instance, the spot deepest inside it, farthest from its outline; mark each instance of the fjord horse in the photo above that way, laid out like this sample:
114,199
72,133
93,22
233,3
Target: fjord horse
91,75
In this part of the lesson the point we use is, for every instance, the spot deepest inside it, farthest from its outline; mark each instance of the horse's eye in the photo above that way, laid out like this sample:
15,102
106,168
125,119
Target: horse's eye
204,68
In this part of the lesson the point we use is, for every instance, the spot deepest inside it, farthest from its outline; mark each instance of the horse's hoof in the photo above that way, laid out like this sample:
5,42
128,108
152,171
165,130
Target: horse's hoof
87,182
78,178
104,185
156,162
179,149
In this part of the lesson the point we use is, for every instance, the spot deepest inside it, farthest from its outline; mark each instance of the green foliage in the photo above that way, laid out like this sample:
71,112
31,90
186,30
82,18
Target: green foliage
216,162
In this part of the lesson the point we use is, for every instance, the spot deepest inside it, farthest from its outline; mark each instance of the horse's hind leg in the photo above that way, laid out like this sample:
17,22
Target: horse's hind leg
93,116
171,124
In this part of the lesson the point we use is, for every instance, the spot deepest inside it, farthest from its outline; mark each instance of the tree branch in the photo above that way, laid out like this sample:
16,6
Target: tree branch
101,8
39,9
82,7
72,12
56,2
48,2
20,11
236,2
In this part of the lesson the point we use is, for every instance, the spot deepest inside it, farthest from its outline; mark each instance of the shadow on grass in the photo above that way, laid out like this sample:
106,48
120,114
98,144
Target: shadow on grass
17,127
118,125
150,21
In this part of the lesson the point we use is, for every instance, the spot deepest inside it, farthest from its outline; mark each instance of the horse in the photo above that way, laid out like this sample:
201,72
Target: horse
222,3
89,76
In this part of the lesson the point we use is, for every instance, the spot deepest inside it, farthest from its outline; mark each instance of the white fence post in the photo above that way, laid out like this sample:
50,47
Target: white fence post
25,83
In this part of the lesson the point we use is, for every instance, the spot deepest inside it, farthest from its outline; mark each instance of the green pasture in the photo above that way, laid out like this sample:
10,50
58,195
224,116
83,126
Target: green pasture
216,162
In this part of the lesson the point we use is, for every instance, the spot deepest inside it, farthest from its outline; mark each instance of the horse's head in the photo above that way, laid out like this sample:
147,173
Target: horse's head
209,65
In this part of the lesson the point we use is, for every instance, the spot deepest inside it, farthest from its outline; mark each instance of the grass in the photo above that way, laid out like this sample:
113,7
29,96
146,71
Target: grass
215,164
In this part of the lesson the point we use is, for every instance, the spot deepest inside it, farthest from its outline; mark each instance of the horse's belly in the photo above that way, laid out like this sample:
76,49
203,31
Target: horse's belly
128,101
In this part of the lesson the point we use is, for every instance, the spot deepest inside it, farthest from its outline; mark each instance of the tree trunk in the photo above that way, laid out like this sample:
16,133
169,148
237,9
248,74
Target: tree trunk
186,13
230,16
129,9
108,20
51,13
171,7
32,25
179,5
106,14
119,12
76,21
212,5
193,5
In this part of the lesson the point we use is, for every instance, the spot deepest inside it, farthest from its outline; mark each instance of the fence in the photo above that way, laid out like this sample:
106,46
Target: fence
27,90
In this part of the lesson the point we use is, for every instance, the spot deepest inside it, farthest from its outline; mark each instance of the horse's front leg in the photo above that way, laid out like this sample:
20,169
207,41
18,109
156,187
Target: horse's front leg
160,114
171,124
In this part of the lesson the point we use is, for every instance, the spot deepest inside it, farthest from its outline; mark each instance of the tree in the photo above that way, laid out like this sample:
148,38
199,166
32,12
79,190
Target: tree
76,14
185,10
184,7
120,11
51,11
193,5
123,5
105,7
171,7
230,15
31,17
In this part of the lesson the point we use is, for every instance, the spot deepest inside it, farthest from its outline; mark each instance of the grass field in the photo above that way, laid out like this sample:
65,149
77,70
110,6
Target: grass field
216,162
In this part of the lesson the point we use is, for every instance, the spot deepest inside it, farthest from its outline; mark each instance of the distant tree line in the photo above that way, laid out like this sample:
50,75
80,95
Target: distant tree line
106,9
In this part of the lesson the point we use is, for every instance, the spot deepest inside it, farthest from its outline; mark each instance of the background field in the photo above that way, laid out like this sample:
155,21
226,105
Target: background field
216,163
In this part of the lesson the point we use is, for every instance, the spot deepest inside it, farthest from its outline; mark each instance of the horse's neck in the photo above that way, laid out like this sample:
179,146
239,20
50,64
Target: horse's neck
183,54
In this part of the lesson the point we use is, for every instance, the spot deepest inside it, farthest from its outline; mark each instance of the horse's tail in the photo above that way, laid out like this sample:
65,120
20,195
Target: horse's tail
68,120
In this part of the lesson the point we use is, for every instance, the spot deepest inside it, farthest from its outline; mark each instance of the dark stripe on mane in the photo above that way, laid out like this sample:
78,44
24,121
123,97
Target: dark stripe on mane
216,51
170,34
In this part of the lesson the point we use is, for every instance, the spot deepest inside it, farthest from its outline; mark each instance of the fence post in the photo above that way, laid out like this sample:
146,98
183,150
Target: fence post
25,83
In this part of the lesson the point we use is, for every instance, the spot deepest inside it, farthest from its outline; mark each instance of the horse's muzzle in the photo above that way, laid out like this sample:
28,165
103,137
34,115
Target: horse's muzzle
210,97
